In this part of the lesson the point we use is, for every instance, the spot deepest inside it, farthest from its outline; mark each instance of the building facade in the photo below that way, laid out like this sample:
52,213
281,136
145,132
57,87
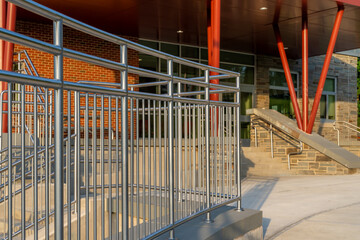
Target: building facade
263,83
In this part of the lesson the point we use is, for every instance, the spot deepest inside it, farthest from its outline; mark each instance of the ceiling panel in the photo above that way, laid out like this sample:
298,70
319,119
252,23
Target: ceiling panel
244,27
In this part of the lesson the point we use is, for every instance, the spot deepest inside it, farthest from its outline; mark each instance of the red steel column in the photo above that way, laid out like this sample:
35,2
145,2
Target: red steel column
215,25
8,56
288,77
210,32
305,64
2,25
325,68
9,47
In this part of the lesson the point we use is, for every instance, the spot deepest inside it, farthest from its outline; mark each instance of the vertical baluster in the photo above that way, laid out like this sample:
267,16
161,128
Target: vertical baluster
110,166
160,162
102,166
149,163
59,136
124,145
132,167
238,148
23,199
207,146
171,148
143,167
77,162
94,165
10,157
137,169
68,164
117,165
86,168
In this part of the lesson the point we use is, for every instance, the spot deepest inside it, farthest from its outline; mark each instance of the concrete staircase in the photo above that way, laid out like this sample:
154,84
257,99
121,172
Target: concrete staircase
257,161
314,140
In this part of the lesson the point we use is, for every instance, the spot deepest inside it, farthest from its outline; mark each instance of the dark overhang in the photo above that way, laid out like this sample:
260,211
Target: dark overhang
244,25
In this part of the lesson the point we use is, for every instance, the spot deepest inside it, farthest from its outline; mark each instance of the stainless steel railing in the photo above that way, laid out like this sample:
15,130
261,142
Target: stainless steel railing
268,126
337,125
134,165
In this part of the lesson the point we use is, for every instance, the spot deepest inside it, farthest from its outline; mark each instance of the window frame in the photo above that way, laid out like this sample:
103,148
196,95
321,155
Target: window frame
326,94
296,88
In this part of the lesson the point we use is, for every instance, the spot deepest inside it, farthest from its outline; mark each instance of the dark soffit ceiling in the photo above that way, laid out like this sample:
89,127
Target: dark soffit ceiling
244,27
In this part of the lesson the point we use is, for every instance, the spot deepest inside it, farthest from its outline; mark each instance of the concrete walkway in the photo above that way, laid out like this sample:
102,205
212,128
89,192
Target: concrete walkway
306,207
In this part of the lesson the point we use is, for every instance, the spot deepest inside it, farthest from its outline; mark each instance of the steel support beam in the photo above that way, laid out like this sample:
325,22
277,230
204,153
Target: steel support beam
8,49
325,68
209,32
288,77
2,25
214,41
305,64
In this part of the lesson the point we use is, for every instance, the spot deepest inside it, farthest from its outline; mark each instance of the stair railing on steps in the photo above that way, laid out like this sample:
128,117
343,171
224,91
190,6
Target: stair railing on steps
338,124
257,121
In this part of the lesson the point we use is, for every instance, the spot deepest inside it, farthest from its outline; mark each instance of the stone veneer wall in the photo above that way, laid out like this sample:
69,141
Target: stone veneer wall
310,162
342,67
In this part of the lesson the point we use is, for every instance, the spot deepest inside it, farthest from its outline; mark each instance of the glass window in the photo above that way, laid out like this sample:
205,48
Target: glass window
170,49
246,73
149,44
231,57
327,101
239,58
204,54
245,130
329,85
279,94
150,63
189,52
245,101
323,106
280,101
277,78
331,107
164,67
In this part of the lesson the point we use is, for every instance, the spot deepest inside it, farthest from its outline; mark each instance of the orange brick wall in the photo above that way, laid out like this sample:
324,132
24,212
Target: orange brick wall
75,70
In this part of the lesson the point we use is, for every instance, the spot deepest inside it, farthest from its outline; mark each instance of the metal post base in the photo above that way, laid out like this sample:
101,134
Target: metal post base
239,209
208,218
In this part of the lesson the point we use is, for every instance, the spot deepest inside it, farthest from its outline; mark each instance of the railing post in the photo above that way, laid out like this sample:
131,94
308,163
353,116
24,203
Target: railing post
238,149
271,141
124,145
59,165
77,162
10,162
207,145
338,133
179,123
171,148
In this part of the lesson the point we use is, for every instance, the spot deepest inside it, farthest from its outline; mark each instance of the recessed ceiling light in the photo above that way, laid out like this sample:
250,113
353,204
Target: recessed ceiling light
140,59
263,8
179,31
286,48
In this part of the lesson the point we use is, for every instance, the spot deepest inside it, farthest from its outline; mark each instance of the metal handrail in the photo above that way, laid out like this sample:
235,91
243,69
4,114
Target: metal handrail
173,134
270,129
347,125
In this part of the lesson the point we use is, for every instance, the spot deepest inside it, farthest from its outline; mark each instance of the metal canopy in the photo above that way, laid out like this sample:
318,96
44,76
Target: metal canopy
244,27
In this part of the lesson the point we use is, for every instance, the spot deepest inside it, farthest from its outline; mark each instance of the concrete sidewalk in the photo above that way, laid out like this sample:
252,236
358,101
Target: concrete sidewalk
306,207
